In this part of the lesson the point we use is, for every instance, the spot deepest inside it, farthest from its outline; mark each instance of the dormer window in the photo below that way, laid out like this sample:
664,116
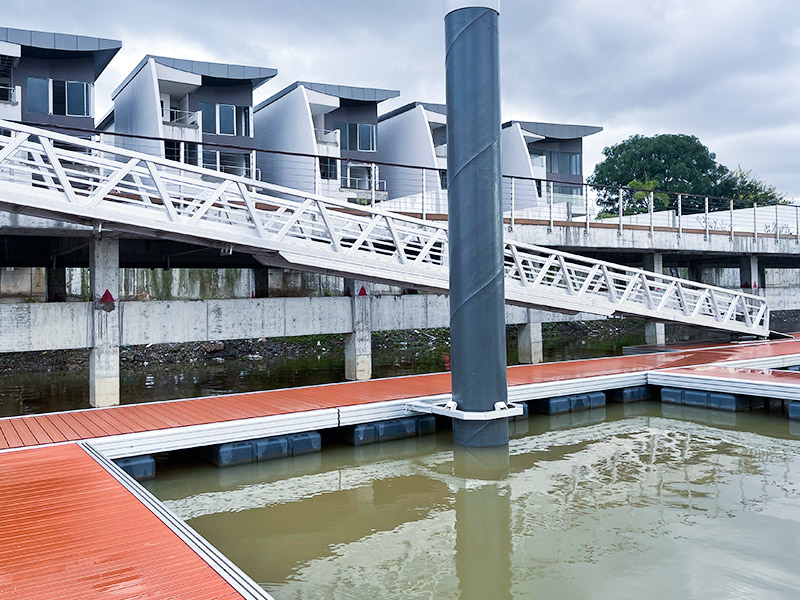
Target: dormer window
59,97
356,136
225,119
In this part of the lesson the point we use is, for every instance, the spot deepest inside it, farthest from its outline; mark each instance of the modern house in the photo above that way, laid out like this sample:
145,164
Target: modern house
338,124
416,134
195,105
48,78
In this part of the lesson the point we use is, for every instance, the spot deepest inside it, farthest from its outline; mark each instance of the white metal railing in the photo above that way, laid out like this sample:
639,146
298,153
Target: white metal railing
441,151
327,137
8,94
181,117
148,195
362,183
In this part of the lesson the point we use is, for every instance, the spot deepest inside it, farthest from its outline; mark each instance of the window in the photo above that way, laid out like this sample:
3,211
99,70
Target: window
443,179
38,96
59,97
185,152
328,169
225,119
561,163
233,163
356,136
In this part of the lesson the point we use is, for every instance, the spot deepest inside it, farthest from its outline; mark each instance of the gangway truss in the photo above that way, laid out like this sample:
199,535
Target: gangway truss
52,175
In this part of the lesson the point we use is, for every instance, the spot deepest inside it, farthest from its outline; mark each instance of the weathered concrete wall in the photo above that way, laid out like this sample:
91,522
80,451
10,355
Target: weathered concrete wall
23,283
59,326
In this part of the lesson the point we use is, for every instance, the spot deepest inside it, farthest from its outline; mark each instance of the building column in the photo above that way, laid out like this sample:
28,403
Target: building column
655,333
56,282
529,339
261,282
104,356
749,273
358,345
695,271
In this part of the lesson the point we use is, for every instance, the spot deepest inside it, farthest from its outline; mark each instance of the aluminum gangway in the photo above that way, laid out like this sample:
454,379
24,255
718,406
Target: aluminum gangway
47,174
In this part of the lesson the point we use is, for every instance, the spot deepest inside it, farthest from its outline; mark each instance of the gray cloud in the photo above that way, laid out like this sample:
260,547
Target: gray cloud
727,71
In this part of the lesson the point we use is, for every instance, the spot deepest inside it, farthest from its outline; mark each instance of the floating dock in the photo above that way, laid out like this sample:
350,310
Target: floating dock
74,525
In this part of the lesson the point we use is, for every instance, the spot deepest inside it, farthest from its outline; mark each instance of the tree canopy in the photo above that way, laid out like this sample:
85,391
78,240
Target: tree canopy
675,163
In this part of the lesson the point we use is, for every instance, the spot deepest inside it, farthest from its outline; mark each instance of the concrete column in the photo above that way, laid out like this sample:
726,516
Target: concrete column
749,273
696,271
529,339
56,285
655,333
261,282
104,356
358,345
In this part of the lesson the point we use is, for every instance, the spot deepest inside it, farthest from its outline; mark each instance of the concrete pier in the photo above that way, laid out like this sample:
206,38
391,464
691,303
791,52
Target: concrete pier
529,339
655,333
358,344
56,281
104,354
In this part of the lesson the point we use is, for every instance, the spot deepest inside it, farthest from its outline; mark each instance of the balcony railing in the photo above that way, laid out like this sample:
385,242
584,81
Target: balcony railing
363,183
441,150
8,94
328,137
182,117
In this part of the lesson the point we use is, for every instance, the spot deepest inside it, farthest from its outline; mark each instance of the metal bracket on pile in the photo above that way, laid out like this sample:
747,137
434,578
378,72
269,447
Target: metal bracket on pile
449,408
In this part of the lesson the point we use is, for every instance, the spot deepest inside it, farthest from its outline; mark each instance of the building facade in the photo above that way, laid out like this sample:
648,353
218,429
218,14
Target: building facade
337,124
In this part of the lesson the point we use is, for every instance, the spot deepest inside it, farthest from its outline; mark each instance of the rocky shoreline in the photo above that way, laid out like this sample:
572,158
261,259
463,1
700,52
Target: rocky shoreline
177,356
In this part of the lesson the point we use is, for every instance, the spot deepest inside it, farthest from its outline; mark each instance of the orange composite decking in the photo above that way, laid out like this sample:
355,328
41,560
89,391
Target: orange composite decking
19,432
764,376
69,530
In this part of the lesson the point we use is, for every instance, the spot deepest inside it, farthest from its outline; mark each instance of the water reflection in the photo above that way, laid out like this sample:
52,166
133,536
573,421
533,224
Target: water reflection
633,506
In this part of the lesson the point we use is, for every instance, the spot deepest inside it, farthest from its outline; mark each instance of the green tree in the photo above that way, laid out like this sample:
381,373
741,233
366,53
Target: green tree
679,163
745,188
640,196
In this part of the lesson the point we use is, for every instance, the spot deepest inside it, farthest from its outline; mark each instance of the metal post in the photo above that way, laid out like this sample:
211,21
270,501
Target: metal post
586,206
619,233
424,193
373,173
650,211
777,225
731,219
550,203
477,294
797,222
755,221
511,227
707,234
680,215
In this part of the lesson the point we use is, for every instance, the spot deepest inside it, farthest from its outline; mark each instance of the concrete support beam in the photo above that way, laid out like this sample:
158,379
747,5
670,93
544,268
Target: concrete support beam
56,285
104,355
655,333
749,273
358,345
529,339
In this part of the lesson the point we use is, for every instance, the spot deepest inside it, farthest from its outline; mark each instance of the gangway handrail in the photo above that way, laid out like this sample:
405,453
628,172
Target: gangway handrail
61,176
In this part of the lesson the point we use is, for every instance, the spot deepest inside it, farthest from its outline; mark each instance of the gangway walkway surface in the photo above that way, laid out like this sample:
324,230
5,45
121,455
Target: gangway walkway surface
176,424
67,178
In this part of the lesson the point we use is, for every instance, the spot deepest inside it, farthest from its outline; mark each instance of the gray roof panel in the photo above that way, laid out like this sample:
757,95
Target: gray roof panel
101,49
557,131
342,92
436,108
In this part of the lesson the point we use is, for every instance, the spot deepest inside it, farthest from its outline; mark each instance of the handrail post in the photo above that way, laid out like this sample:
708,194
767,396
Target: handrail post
680,215
586,206
731,219
550,203
620,231
755,221
777,225
797,221
650,210
374,173
707,234
511,226
424,193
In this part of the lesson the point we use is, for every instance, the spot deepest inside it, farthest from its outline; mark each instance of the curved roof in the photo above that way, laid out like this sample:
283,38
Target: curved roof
344,92
44,44
437,108
558,131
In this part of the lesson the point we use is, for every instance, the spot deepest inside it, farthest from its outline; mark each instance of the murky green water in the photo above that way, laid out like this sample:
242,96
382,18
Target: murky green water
32,393
642,501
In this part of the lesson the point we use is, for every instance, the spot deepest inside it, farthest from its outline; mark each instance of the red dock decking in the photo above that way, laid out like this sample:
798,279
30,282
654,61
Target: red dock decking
69,530
19,432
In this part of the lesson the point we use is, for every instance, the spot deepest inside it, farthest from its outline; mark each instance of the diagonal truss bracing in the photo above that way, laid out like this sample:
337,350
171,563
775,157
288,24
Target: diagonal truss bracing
72,179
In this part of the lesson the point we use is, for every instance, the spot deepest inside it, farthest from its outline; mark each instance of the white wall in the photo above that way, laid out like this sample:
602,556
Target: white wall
286,125
137,111
516,162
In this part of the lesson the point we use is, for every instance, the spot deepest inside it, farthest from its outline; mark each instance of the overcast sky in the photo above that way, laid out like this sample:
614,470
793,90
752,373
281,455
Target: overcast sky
727,71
